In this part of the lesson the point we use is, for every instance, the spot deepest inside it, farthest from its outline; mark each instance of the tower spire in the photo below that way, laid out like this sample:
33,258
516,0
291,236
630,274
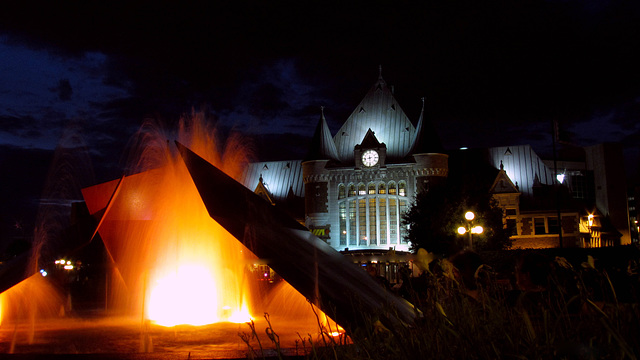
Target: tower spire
322,145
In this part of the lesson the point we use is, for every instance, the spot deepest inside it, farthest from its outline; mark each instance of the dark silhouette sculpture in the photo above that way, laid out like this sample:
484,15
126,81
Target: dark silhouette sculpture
342,290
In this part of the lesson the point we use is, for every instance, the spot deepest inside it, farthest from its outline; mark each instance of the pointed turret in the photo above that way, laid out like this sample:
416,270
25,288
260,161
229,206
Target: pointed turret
432,165
322,145
426,140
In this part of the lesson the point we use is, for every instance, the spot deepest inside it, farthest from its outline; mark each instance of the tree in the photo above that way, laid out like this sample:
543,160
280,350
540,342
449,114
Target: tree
436,214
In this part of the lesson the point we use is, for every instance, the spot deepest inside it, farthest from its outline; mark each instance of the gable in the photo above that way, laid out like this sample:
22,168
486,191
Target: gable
503,185
380,112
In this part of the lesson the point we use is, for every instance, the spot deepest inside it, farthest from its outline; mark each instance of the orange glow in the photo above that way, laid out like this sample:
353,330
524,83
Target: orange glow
191,293
34,296
172,262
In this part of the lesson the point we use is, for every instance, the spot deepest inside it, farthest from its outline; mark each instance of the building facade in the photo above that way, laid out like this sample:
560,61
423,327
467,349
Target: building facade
353,187
360,181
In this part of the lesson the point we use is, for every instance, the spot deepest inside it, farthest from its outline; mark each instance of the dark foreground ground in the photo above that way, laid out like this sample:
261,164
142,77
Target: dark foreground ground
125,339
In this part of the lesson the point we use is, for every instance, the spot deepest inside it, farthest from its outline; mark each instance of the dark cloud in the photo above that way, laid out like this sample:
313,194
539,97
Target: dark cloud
266,102
15,125
494,73
64,90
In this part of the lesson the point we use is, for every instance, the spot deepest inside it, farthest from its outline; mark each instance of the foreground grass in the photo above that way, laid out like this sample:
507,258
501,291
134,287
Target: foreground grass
579,316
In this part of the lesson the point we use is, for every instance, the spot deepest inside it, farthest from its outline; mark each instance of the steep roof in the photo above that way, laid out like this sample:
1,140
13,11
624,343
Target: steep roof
380,112
262,191
370,140
426,139
278,177
322,146
503,184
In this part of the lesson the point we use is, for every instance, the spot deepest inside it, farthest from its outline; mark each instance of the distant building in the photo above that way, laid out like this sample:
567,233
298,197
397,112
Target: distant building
633,203
592,183
357,183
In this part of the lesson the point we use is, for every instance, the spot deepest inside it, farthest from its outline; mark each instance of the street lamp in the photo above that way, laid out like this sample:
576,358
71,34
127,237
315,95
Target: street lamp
590,225
469,216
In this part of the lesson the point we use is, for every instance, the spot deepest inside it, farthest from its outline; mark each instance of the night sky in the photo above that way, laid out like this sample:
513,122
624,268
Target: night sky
85,75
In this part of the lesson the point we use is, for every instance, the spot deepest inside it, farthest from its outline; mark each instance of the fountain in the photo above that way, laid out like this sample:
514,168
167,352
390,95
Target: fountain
177,280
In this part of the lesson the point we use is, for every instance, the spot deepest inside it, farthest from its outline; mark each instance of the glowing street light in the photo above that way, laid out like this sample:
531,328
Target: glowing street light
469,216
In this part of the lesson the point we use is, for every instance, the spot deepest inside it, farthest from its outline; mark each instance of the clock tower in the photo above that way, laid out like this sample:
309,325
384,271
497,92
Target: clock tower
370,153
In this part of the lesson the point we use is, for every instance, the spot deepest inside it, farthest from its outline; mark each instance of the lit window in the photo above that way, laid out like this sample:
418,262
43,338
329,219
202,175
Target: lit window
392,188
402,189
372,189
352,190
341,191
362,190
382,188
382,209
362,221
343,224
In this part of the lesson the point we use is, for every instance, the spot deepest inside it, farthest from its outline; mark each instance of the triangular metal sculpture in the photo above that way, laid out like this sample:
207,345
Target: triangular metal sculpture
343,291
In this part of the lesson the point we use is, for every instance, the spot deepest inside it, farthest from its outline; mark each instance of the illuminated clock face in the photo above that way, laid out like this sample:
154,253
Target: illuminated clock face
370,158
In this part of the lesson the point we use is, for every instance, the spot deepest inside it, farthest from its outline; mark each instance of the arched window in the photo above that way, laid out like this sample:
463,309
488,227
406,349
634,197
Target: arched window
382,188
372,189
402,188
392,188
341,191
362,190
352,190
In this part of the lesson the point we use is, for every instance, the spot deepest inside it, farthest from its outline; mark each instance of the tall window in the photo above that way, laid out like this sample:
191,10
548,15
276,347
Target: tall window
362,221
341,191
553,226
343,223
352,222
512,228
403,229
538,224
370,214
352,190
392,188
373,238
382,213
393,221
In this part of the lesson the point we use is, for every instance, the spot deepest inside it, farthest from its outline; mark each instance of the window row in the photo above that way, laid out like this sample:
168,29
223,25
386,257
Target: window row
373,188
372,221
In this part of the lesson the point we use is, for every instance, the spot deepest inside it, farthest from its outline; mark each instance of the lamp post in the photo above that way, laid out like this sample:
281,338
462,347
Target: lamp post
590,225
469,228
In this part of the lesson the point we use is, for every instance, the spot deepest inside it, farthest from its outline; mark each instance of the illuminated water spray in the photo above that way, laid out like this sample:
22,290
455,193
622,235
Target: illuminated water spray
171,260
